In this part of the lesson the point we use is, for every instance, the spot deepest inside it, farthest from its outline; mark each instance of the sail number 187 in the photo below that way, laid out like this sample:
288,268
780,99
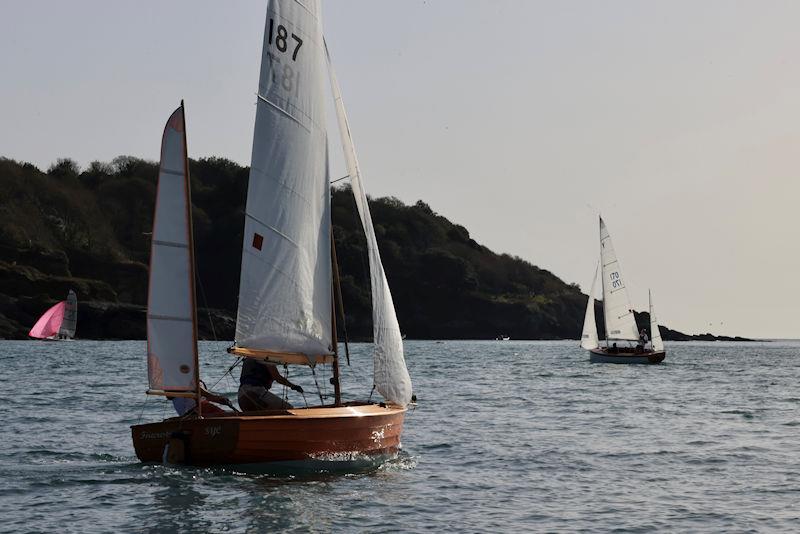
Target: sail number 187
279,35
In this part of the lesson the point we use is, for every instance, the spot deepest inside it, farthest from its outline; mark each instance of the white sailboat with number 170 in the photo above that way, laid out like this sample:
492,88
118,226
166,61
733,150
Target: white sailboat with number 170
624,342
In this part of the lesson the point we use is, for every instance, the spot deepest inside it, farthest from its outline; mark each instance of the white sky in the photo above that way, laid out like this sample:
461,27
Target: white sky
678,120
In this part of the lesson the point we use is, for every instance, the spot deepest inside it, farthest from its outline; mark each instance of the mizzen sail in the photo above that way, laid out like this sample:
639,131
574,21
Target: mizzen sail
620,322
285,291
655,333
390,373
49,323
589,338
171,315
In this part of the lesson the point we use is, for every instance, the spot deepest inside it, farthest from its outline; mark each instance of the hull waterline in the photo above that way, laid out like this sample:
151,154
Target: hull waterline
600,355
310,437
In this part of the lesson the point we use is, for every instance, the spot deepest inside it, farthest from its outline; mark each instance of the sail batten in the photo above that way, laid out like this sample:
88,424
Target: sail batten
619,318
390,374
171,317
285,290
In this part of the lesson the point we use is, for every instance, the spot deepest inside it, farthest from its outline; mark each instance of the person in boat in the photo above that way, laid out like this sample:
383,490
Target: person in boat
642,340
254,383
186,405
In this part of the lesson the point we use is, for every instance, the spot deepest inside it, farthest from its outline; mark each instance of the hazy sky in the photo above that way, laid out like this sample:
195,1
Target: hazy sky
521,120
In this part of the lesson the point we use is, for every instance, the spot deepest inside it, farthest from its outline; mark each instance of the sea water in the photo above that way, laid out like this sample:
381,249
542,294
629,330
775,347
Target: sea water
507,436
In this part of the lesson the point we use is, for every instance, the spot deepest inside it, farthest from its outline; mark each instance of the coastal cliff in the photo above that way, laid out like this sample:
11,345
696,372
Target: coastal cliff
89,230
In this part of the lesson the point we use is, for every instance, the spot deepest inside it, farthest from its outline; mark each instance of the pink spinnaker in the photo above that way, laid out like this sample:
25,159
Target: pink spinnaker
48,324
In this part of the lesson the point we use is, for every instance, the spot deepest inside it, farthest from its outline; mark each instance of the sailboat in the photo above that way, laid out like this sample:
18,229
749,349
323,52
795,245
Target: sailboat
58,323
622,334
288,296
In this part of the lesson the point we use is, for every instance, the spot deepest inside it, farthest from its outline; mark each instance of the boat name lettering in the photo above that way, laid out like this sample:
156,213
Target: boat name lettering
153,435
213,430
281,38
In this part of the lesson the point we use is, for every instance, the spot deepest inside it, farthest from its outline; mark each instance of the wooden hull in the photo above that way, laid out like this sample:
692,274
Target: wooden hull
322,434
601,355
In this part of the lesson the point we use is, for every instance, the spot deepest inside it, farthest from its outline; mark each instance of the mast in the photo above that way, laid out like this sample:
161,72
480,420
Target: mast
192,280
337,392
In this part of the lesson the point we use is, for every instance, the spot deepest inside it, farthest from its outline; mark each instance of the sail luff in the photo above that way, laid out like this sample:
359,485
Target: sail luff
655,333
286,282
390,373
192,279
171,311
617,312
589,338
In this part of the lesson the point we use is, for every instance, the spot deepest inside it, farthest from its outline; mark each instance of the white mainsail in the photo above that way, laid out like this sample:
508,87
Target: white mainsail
285,291
171,317
67,329
589,338
390,373
655,333
620,322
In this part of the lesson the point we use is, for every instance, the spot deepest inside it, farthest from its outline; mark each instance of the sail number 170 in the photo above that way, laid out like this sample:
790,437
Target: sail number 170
280,36
615,280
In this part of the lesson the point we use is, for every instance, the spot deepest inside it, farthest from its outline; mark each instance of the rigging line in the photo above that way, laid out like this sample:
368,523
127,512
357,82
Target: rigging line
205,302
314,374
285,387
146,398
239,360
340,179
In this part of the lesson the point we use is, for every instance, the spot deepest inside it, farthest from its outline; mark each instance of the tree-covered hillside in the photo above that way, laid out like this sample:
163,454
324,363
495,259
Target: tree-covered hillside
89,229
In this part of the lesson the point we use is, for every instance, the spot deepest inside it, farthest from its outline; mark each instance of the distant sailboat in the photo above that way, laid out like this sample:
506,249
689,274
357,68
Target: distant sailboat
59,322
288,289
622,334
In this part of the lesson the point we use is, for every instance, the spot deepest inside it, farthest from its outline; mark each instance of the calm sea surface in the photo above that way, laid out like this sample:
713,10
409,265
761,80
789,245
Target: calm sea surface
507,436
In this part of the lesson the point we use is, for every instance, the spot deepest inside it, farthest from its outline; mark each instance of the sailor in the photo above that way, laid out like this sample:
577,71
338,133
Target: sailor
186,405
254,383
643,339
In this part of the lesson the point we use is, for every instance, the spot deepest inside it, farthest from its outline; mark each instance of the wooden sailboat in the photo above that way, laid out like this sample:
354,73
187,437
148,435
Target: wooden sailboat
287,297
622,335
59,322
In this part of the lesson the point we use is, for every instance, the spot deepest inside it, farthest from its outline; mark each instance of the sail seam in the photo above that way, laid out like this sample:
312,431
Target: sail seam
170,244
174,173
168,318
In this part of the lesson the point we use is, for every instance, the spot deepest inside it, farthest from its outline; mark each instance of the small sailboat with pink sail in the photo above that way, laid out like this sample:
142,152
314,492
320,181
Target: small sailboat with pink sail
58,323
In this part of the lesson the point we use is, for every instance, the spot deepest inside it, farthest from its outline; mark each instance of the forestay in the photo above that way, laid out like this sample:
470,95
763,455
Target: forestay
390,372
285,297
655,333
620,322
70,316
171,332
589,339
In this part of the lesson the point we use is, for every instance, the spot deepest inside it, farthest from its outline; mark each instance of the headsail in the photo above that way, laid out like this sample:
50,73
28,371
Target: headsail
390,372
49,323
589,339
171,313
285,290
655,333
620,322
67,329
